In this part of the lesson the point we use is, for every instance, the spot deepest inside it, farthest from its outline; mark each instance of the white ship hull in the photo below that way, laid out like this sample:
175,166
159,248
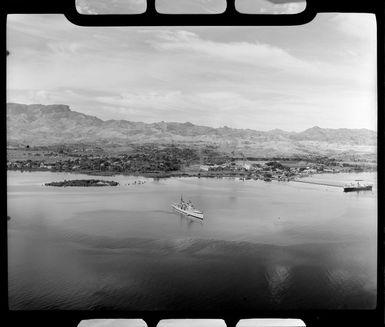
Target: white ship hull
188,213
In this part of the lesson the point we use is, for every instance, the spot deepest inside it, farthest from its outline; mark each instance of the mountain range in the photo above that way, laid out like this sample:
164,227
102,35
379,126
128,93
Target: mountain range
38,124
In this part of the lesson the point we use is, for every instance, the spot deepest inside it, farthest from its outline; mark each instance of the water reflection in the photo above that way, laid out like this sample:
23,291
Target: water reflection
188,221
278,279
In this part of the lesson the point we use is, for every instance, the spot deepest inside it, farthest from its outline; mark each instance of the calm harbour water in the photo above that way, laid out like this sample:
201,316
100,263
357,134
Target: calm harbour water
278,245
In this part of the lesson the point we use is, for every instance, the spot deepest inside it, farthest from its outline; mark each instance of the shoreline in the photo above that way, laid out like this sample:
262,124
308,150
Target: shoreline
176,174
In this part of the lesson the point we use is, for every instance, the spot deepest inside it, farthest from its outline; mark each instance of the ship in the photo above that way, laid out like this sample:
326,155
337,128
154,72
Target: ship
187,208
357,186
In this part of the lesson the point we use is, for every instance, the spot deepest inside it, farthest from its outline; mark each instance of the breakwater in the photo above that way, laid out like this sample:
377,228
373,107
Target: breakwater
317,183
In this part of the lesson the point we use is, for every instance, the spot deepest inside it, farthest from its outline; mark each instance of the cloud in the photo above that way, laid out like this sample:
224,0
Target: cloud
219,108
94,7
257,53
276,7
161,100
359,26
202,108
266,58
272,77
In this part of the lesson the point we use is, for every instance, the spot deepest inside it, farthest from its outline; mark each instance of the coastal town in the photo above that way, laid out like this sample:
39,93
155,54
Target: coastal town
159,161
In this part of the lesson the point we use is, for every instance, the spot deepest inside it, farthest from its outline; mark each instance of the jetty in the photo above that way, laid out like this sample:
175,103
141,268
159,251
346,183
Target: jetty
317,183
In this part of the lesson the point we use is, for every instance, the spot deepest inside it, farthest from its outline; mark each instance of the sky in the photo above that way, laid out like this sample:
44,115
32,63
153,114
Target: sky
288,77
92,7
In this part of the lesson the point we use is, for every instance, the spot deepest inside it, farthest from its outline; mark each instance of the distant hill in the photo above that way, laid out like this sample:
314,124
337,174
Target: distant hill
37,124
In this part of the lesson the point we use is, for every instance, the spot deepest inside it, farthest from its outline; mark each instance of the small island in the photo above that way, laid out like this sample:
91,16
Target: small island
83,183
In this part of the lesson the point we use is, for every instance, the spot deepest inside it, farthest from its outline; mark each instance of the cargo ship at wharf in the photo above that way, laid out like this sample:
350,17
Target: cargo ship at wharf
353,187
